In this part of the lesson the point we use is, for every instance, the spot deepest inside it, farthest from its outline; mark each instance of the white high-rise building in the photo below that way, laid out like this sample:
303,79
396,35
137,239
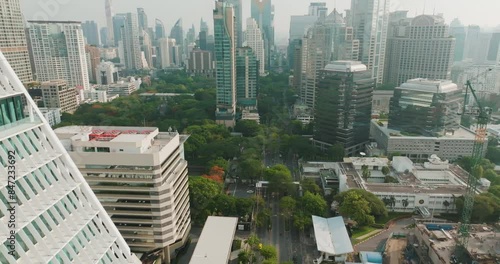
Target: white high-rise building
130,42
48,212
109,22
370,20
254,40
169,52
59,52
13,39
140,176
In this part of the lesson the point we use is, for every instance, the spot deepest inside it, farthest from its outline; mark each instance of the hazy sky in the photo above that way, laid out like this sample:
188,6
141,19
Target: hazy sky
480,12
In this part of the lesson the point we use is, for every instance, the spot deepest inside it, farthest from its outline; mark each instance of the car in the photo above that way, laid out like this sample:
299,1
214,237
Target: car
250,191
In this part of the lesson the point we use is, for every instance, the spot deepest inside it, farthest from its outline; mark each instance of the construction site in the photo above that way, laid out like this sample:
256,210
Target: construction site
436,243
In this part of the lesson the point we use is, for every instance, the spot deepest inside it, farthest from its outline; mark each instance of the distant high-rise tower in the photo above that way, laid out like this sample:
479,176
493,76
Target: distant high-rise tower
104,36
370,19
119,21
420,49
13,39
225,63
263,13
109,22
91,32
58,218
131,43
142,18
457,30
343,107
345,45
238,13
159,29
247,76
255,41
59,52
203,26
177,33
318,9
191,35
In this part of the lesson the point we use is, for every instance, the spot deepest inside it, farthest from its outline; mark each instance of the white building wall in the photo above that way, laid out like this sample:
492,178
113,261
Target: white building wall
254,40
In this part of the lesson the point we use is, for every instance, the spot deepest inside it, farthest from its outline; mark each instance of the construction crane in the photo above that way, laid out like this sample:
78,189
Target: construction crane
482,118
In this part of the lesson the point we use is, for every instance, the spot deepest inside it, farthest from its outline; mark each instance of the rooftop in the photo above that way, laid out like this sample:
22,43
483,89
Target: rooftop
427,85
358,161
215,242
345,66
331,235
461,133
109,134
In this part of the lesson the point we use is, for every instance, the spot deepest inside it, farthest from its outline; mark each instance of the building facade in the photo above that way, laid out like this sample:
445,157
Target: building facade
254,40
140,176
130,43
431,105
262,11
225,63
91,32
57,94
200,63
420,49
59,52
109,22
93,56
247,77
370,20
57,216
238,14
343,110
106,73
52,115
13,39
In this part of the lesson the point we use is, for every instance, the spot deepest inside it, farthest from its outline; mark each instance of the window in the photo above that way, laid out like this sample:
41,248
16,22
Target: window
102,149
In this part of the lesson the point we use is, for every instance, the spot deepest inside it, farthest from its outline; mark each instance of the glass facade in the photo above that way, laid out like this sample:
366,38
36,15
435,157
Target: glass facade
11,110
247,74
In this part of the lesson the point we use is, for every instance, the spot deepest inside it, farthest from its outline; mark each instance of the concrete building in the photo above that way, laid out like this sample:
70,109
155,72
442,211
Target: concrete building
263,13
484,83
370,20
428,188
419,48
159,29
345,45
238,14
97,96
177,33
458,31
59,52
91,33
140,176
255,41
121,88
169,53
13,42
216,241
201,63
318,9
382,101
431,105
57,217
451,146
247,77
225,63
93,56
109,53
52,115
298,29
109,22
107,73
332,239
129,37
343,108
57,94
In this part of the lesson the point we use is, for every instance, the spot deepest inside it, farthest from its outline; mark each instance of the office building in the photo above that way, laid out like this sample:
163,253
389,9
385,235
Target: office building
119,21
318,9
93,56
370,19
96,96
177,33
58,217
238,13
421,49
263,13
106,73
225,63
247,76
298,29
13,39
431,105
91,33
343,108
201,63
121,88
110,22
59,52
473,43
57,94
159,29
130,43
255,41
142,19
146,49
345,46
166,45
191,36
458,31
104,36
139,174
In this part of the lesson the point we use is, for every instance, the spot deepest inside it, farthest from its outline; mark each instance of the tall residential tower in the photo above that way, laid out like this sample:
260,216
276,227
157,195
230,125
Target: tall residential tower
109,22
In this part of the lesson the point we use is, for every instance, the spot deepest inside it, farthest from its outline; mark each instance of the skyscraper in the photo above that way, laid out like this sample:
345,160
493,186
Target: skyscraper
318,9
457,30
159,29
59,52
431,105
131,43
421,49
263,13
109,22
104,36
142,18
59,218
345,45
91,33
204,26
238,13
13,39
247,76
177,33
255,41
225,63
166,46
370,19
343,107
118,23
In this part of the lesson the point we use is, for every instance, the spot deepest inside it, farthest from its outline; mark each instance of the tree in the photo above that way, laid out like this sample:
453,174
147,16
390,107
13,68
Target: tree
313,204
248,128
310,185
219,162
279,177
366,173
485,208
224,205
492,176
251,169
493,154
405,203
201,192
216,174
244,257
337,152
386,170
495,190
287,206
378,208
244,207
301,221
357,208
268,252
253,241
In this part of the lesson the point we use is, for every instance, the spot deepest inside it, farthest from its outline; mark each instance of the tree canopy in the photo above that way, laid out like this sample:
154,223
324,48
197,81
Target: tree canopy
377,208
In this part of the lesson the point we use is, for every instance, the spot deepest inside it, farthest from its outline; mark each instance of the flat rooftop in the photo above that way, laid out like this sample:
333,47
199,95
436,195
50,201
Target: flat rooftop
109,134
461,133
216,240
331,235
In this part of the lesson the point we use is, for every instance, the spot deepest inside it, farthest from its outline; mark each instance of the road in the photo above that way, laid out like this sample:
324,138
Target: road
376,242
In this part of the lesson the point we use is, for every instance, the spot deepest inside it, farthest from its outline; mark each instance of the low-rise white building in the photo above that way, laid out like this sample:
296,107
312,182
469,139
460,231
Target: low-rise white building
97,96
332,239
216,240
52,115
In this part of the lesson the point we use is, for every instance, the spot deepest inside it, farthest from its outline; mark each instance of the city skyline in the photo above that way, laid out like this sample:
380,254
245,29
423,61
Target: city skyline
95,10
